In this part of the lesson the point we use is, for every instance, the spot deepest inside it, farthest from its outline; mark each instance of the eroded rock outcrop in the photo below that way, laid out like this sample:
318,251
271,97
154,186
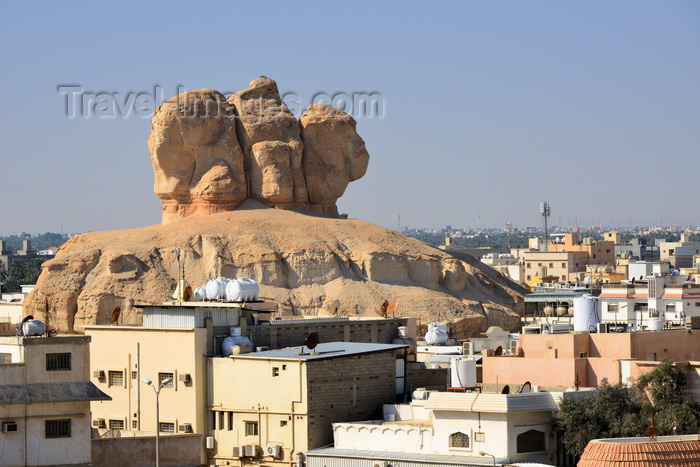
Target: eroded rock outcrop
210,153
222,165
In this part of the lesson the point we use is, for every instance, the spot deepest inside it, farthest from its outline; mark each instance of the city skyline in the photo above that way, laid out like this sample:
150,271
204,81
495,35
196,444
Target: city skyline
594,107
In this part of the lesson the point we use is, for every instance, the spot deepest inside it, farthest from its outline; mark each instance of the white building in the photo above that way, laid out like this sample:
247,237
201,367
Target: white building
446,428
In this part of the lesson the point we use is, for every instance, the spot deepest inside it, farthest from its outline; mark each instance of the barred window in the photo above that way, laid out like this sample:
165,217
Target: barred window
58,428
531,441
116,378
459,440
57,361
163,376
5,358
167,427
116,424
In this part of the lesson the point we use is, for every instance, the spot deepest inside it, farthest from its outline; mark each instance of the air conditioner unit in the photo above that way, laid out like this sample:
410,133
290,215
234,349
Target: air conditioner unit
99,423
185,428
184,377
238,451
99,374
9,427
274,450
251,450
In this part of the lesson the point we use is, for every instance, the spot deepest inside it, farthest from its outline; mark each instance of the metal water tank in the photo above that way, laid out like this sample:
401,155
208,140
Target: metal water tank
656,324
33,327
437,334
586,313
549,310
462,372
562,310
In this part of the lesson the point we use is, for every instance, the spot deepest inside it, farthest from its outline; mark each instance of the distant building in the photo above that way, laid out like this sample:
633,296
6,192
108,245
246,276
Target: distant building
45,396
679,254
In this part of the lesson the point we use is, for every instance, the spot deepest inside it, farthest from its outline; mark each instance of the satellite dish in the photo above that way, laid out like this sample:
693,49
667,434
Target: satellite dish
335,306
499,351
187,294
311,340
115,315
392,308
506,389
525,388
383,309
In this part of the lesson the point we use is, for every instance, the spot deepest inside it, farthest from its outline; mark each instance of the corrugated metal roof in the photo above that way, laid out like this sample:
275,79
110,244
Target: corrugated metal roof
325,350
407,458
497,403
34,393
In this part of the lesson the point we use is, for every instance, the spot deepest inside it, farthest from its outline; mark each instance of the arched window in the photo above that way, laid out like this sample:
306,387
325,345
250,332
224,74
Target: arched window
531,441
459,440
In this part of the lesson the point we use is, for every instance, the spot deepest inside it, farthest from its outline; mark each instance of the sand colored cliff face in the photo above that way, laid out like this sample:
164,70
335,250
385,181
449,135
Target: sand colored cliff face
210,153
302,262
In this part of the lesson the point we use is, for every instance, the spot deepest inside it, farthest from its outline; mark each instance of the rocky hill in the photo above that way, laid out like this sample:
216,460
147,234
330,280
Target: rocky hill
249,191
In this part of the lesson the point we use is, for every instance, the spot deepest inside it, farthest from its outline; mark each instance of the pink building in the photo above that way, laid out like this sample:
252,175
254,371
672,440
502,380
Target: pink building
558,359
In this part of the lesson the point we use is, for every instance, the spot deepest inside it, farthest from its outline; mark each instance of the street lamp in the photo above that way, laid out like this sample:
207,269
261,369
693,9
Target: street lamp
483,453
163,383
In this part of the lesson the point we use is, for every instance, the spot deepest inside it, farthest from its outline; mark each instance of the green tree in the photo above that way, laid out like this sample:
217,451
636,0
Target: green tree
616,411
22,273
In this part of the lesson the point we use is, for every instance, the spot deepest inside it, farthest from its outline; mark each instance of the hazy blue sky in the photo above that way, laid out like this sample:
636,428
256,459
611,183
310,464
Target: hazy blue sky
490,106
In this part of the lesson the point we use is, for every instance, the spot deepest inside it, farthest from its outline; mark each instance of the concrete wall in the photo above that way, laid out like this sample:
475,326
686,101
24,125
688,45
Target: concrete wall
175,451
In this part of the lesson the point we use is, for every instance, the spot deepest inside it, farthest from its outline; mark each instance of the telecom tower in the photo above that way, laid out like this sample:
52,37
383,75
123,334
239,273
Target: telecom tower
546,211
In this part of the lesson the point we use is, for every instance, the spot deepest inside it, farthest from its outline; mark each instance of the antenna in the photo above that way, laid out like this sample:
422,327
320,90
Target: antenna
115,315
392,308
310,342
335,306
383,309
545,211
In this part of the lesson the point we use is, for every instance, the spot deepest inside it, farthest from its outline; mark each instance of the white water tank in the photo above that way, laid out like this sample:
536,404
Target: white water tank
586,313
462,372
236,344
200,294
242,290
437,334
33,327
656,324
216,288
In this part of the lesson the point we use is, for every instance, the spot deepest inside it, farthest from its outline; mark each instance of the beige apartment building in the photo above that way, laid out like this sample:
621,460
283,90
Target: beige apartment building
45,396
209,391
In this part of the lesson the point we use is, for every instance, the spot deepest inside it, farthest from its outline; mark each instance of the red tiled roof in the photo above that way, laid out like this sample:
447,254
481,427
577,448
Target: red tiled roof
675,452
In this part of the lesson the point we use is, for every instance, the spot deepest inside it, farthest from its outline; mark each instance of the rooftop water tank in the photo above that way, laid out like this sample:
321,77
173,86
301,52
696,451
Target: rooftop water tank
236,344
586,313
216,288
656,324
33,327
437,334
242,290
200,294
462,372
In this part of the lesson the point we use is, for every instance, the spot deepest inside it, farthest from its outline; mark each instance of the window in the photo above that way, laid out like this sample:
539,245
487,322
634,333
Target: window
583,355
221,420
528,265
230,421
697,303
670,308
607,251
613,307
116,424
167,427
551,265
5,358
134,424
58,428
594,256
563,265
134,375
529,277
275,371
251,428
641,307
116,378
479,437
57,361
459,440
531,441
283,422
163,376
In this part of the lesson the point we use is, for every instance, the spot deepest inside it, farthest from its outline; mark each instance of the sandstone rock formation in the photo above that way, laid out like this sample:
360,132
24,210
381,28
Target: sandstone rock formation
303,263
221,167
210,153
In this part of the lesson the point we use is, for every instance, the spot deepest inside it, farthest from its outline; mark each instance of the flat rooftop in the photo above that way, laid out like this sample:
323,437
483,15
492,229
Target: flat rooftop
322,351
